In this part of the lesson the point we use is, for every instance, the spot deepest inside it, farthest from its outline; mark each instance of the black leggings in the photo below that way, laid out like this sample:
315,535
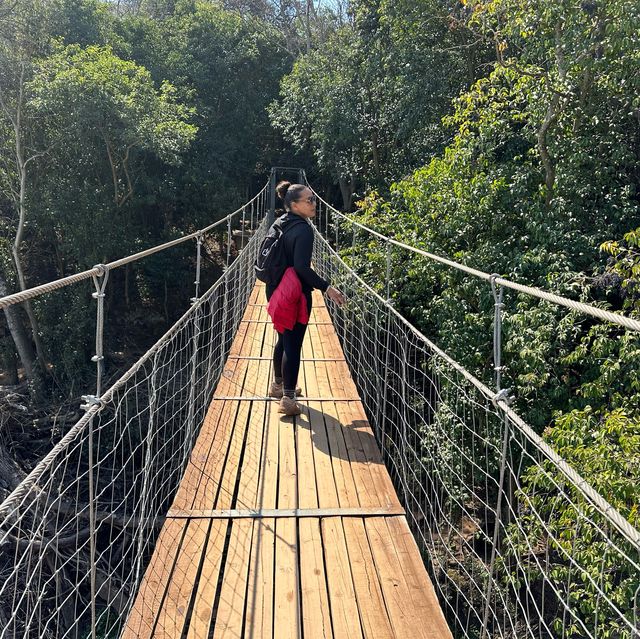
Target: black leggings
286,355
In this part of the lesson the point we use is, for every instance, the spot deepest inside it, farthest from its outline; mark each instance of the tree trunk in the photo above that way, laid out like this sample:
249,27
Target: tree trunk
21,166
19,334
346,189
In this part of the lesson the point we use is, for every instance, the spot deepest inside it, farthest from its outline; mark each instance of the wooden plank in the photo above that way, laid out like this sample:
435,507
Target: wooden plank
353,418
172,617
208,582
348,492
406,621
316,617
422,592
313,420
251,463
246,445
257,380
287,583
229,619
144,612
286,617
206,495
373,613
306,477
259,613
344,608
260,591
267,496
279,513
372,479
231,466
221,467
217,412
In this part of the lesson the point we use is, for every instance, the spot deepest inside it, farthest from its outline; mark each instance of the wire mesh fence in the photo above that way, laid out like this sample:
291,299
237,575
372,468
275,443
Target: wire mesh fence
76,535
517,544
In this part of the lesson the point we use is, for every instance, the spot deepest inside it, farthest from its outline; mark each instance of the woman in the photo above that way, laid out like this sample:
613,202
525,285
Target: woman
299,202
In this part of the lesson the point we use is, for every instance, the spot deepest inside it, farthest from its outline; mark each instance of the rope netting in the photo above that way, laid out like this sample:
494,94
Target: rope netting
517,543
76,535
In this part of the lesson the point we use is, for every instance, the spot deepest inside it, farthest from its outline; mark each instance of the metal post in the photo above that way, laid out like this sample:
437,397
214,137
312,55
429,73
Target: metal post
198,262
191,430
244,230
501,394
228,242
386,352
497,330
272,197
99,295
301,176
98,358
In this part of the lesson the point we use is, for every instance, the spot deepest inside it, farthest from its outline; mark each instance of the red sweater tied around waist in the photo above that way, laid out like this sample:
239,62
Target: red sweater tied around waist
288,304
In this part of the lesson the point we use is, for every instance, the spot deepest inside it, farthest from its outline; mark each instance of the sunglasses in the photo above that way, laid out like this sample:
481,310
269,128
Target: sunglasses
311,199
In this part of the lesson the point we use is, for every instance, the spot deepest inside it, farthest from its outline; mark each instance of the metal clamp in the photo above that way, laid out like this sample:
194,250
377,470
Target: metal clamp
92,400
503,395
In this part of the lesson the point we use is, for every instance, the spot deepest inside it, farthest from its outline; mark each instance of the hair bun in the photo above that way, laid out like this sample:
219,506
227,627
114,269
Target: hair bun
282,188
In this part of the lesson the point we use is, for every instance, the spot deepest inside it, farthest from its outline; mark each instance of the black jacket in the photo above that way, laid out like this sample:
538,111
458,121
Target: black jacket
298,248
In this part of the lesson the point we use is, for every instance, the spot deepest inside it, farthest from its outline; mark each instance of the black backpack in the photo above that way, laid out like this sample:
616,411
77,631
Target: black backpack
271,262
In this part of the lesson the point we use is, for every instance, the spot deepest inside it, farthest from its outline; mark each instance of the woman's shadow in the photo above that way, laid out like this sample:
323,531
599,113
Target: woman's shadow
337,432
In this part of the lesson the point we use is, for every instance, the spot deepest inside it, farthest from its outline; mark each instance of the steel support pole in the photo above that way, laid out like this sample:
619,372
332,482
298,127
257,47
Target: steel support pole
272,197
501,394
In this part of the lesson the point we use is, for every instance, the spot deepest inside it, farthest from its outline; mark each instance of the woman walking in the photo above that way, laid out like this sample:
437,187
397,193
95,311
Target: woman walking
297,239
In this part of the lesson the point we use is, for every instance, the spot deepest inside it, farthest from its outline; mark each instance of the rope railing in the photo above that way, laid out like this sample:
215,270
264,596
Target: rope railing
518,544
582,307
77,533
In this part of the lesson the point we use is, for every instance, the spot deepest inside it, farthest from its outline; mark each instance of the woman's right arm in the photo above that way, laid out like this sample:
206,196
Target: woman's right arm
302,251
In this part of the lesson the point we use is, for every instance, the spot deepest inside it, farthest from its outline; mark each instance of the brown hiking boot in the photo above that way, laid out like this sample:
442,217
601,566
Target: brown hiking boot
277,390
289,407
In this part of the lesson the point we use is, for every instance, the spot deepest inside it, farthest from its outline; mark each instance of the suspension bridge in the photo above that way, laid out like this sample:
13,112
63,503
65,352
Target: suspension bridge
408,499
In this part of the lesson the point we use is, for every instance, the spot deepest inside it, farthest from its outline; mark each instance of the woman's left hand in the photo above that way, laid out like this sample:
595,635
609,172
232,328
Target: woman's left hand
336,296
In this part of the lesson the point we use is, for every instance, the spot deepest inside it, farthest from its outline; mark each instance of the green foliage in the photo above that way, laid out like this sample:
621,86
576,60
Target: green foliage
539,184
91,93
229,66
604,447
141,129
368,103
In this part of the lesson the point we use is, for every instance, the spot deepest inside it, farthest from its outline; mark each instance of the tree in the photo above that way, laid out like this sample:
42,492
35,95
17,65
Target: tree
368,103
22,37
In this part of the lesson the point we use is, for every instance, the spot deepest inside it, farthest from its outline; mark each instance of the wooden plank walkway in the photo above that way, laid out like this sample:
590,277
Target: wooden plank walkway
289,572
